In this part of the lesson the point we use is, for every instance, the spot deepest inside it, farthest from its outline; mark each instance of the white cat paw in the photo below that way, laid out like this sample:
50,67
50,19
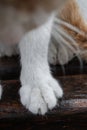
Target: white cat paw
38,99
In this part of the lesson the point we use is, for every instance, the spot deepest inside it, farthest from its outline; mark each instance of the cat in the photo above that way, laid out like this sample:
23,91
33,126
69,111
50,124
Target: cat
70,39
36,25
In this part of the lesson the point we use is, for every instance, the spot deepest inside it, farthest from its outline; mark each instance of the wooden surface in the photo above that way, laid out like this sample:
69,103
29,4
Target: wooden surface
71,112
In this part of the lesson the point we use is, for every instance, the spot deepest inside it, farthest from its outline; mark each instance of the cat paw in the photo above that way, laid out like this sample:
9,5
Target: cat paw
38,99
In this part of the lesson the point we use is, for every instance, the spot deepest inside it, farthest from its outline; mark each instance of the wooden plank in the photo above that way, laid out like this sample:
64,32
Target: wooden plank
71,114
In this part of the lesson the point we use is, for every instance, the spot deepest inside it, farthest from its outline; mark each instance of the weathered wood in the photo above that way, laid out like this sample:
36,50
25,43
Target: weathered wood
71,111
70,114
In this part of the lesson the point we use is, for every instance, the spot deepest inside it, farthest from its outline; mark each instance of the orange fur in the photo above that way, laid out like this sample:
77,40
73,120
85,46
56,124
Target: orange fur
71,14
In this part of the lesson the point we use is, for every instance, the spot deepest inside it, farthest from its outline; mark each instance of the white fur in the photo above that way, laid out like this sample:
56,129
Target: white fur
0,91
53,53
39,91
59,54
83,8
8,50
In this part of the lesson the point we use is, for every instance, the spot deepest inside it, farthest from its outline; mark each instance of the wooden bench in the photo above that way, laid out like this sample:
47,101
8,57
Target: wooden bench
71,112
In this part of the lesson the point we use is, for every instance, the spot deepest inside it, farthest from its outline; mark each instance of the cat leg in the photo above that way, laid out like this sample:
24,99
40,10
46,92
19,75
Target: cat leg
0,91
59,54
39,91
53,54
7,50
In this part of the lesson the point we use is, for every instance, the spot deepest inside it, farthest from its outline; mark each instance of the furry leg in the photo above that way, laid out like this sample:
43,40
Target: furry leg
59,54
7,50
0,91
39,91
